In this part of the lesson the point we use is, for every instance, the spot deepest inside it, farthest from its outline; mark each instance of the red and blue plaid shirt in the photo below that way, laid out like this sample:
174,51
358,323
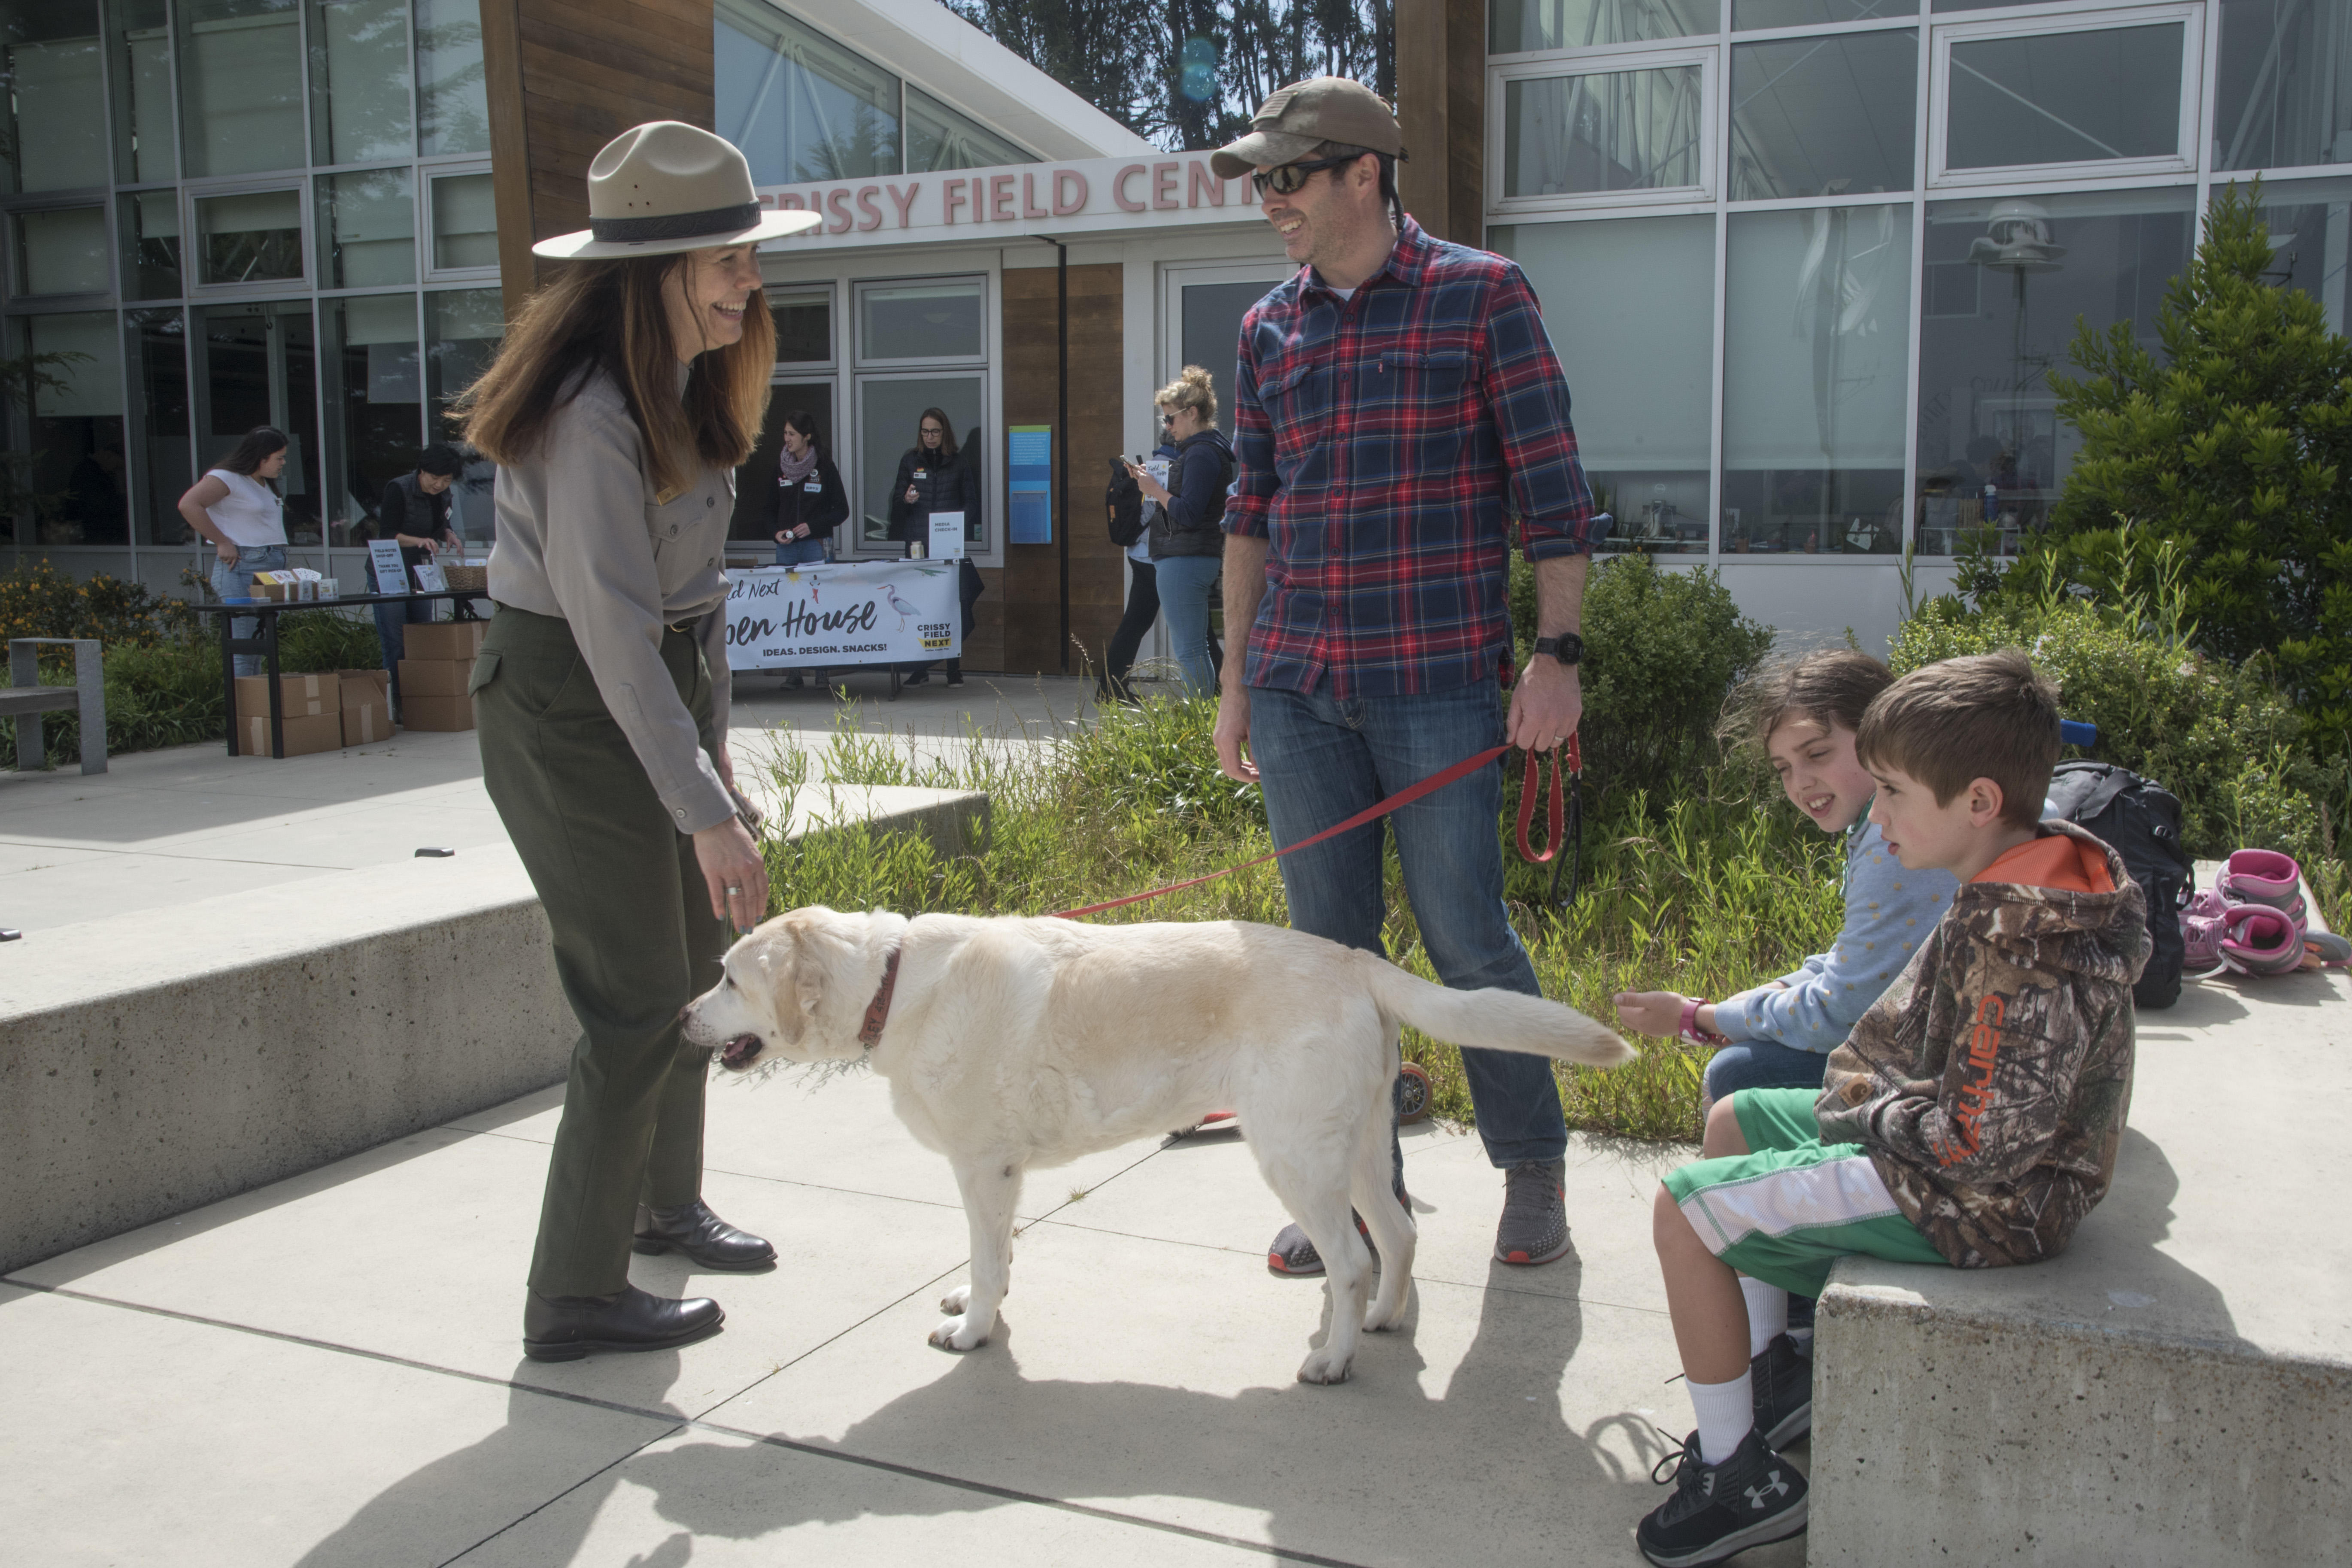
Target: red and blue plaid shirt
1378,436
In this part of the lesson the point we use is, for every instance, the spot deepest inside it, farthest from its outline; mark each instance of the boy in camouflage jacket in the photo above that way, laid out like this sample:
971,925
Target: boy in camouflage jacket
1971,1119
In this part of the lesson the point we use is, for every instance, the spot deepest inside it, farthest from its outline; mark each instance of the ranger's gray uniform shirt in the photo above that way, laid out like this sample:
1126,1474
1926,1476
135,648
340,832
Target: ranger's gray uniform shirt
581,536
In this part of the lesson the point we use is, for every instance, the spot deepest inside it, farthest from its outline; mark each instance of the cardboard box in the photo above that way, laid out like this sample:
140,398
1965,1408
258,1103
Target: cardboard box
317,733
298,696
433,676
367,706
443,640
436,713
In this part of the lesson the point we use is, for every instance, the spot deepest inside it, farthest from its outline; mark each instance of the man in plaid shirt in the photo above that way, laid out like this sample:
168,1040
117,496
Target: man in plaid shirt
1393,401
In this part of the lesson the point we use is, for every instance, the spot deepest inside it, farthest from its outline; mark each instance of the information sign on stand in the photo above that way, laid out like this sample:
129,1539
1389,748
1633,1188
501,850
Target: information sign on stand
1029,473
429,577
391,576
947,536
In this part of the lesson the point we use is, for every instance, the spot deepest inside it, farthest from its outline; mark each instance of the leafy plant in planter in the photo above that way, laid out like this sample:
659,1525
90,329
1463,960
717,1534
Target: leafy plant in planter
2232,448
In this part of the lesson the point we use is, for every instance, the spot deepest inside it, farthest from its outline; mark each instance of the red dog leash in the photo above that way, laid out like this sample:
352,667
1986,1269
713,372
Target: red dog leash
1530,785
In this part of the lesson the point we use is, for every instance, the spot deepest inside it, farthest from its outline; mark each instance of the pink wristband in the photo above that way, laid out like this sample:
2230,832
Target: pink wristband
1691,1031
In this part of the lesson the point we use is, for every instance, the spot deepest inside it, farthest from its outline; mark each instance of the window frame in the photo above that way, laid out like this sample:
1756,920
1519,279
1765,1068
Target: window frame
428,180
1610,59
860,361
194,290
2182,161
20,296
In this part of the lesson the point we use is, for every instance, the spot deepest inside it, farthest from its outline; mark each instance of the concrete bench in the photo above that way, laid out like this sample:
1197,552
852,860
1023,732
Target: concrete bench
2176,1387
157,1062
25,700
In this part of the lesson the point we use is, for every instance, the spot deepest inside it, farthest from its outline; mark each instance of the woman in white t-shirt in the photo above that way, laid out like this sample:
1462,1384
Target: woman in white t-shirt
235,505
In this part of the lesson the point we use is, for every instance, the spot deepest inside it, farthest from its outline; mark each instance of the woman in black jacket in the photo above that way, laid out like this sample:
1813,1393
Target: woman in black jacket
1188,537
807,503
935,477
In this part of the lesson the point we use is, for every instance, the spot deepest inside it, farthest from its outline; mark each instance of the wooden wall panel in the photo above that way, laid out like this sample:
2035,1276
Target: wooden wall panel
1442,108
565,78
1030,592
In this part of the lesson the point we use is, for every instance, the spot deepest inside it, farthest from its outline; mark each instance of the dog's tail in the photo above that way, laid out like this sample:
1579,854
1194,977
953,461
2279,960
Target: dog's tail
1494,1020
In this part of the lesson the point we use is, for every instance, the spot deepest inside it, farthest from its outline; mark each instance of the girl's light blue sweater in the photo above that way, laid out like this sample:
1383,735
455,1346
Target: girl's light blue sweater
1888,914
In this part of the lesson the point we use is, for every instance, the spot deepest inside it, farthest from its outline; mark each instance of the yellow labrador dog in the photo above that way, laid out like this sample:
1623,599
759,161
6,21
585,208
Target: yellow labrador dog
1011,1043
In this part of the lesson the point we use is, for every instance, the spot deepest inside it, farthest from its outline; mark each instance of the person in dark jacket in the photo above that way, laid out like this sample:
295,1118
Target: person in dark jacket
934,475
802,505
414,512
1187,541
1142,603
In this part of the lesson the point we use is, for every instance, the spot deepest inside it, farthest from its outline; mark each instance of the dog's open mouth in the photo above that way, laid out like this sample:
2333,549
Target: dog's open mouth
740,1052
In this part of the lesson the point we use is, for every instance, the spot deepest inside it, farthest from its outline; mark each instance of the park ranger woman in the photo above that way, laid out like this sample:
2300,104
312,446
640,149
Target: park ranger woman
626,393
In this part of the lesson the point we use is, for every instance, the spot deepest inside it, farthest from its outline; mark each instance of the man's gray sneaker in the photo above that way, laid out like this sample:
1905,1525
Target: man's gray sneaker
1535,1213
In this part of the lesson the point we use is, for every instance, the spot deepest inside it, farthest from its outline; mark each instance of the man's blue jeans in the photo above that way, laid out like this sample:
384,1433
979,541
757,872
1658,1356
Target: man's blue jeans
237,583
1324,760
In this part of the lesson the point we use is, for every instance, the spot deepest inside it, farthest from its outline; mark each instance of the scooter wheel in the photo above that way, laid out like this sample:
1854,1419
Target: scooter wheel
1413,1101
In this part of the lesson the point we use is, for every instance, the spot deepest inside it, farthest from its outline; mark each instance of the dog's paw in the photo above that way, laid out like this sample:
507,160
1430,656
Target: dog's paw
954,1334
956,1300
1321,1366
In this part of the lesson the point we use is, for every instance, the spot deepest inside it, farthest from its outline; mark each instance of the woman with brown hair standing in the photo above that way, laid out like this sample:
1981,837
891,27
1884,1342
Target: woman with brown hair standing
623,396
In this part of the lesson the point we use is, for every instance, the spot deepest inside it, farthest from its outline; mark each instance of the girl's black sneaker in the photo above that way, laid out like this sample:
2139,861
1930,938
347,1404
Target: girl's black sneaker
1720,1510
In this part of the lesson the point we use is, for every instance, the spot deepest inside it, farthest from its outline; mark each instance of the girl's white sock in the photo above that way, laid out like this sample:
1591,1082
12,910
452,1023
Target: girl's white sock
1768,1313
1725,1412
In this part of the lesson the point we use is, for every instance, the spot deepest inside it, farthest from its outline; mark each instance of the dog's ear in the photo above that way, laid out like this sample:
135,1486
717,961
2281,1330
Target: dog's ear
808,989
776,970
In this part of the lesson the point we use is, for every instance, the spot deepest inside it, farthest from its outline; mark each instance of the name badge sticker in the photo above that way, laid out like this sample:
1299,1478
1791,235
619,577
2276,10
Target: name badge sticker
814,486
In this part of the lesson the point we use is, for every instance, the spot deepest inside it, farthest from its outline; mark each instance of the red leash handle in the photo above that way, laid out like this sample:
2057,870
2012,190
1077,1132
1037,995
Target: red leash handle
1428,785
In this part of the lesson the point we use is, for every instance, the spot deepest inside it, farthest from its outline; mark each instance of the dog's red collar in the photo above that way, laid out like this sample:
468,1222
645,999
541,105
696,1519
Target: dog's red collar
877,1012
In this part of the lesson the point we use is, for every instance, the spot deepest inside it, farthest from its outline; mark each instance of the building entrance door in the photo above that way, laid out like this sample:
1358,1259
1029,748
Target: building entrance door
256,362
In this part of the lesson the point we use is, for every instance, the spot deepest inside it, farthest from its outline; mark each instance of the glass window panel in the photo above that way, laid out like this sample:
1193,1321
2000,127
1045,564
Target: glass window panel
249,237
1752,14
241,86
2279,95
1513,26
1617,130
802,107
156,355
1816,364
450,86
803,325
465,222
1640,359
2064,98
257,363
49,65
1212,333
2005,283
367,230
360,79
888,410
920,320
462,330
376,397
939,138
139,50
1941,6
78,468
147,224
62,252
1817,117
2311,242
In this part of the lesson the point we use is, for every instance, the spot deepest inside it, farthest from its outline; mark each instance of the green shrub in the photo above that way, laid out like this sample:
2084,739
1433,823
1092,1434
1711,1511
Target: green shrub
37,600
1662,650
311,642
2221,737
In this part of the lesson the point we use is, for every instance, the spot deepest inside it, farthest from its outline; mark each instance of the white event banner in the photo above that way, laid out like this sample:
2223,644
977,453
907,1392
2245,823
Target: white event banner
1076,196
843,613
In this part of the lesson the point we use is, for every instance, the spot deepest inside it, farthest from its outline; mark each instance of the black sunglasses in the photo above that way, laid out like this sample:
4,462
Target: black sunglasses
1289,179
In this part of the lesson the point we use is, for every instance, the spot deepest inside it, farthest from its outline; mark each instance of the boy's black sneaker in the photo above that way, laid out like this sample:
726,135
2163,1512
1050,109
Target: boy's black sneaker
1720,1510
1782,1378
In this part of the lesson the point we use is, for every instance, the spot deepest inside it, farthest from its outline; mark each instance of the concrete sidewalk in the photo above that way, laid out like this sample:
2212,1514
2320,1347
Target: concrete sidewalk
165,828
327,1372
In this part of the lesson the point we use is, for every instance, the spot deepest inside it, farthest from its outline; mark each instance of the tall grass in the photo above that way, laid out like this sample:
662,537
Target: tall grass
1707,894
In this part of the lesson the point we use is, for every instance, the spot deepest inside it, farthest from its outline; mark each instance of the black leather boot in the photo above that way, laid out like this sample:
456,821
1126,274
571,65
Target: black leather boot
703,1236
565,1328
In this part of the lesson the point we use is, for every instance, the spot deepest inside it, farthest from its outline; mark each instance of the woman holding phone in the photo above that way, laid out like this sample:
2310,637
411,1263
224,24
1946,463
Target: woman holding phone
623,398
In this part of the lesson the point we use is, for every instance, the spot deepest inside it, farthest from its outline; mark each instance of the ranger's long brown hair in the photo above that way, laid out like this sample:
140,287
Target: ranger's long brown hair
609,316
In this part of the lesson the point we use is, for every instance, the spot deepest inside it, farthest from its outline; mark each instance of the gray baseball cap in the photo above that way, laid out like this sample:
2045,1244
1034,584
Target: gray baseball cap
1301,117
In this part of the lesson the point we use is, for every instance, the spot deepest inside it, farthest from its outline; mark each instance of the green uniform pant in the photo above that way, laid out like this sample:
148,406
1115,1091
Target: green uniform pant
634,938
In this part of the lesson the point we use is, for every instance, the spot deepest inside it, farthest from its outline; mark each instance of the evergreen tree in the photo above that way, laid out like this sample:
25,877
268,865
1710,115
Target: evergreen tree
2222,464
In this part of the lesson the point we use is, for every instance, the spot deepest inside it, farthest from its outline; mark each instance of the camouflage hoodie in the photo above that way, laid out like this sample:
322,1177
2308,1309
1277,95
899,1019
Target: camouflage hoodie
1988,1084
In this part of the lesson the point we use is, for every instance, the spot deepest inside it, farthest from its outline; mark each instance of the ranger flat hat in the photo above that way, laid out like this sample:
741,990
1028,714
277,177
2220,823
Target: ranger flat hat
663,187
1303,116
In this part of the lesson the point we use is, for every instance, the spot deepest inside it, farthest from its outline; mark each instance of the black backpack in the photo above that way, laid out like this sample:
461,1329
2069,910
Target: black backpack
1124,498
2140,821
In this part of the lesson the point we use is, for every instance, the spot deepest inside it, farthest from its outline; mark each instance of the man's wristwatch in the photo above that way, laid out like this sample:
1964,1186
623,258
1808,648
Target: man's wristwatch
1567,647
